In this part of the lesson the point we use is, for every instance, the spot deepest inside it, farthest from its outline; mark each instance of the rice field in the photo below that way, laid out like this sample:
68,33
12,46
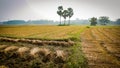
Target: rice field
51,46
41,32
28,56
101,47
40,46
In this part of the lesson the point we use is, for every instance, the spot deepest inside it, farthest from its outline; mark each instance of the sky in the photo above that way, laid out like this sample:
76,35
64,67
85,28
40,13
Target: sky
46,9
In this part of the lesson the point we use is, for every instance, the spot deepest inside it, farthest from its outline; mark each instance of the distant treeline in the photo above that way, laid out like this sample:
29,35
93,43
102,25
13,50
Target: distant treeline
30,22
51,22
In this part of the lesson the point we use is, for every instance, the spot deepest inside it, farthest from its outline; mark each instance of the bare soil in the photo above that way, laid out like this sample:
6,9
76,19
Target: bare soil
100,49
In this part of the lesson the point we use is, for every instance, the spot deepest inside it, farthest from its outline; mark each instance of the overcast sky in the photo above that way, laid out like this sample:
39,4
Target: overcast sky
46,9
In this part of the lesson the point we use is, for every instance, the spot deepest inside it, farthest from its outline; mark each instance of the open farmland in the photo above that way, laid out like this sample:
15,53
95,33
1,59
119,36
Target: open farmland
101,47
41,32
41,46
60,46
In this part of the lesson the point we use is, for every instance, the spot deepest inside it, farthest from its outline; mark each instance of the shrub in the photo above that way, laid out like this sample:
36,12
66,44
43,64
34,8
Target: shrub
87,26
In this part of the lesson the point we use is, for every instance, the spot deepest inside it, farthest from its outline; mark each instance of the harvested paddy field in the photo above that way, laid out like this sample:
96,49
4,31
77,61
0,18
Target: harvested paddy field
101,47
41,47
59,47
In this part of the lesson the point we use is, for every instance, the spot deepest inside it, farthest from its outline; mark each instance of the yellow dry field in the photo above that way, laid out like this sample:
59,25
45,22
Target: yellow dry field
44,31
101,46
37,53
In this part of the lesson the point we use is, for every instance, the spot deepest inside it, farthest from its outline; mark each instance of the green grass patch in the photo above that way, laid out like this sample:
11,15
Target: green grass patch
77,59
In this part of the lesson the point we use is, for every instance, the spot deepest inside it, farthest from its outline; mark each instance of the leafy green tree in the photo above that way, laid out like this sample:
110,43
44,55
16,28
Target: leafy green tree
70,13
65,15
60,12
117,21
93,21
104,20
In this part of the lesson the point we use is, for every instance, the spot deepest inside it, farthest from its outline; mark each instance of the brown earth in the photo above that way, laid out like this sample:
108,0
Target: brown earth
101,47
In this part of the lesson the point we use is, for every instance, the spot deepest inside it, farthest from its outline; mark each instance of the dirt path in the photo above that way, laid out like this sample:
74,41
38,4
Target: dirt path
97,54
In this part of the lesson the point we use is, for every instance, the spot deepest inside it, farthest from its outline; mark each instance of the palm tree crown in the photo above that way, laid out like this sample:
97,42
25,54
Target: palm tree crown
70,13
65,15
59,12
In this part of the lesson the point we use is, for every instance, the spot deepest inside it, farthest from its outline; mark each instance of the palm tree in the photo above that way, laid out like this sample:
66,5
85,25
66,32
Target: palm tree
59,12
65,15
70,13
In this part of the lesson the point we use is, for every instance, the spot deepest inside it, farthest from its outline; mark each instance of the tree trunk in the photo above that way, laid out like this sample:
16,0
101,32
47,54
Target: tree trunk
64,21
60,20
69,21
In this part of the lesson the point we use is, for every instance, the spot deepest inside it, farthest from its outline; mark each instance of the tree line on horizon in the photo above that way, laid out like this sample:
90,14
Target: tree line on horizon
74,22
65,13
104,20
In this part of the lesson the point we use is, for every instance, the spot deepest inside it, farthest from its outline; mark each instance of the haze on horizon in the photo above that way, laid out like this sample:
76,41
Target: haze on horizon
46,9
